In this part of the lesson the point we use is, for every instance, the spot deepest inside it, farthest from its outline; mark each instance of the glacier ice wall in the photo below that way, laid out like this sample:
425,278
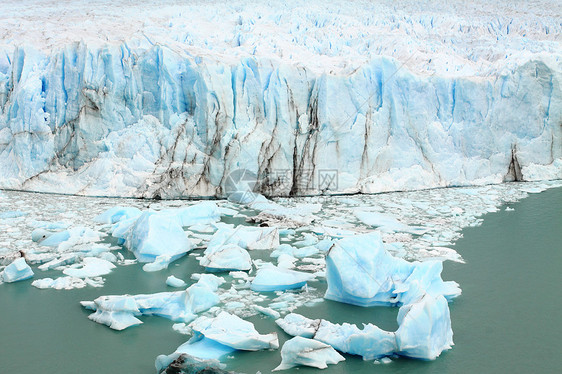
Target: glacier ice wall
156,121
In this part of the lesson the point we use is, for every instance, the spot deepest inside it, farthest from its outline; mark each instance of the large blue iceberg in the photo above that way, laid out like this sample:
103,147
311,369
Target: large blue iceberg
360,271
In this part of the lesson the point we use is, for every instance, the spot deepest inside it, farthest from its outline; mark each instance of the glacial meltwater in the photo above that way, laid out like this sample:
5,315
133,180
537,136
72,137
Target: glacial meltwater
506,320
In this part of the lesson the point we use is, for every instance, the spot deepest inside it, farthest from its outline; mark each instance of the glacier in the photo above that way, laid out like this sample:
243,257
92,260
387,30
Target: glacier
369,91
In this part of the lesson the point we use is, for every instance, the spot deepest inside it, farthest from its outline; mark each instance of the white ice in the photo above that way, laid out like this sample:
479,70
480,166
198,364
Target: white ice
17,271
234,332
226,258
302,351
273,278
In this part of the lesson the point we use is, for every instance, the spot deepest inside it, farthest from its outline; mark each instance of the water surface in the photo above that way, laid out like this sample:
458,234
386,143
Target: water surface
507,319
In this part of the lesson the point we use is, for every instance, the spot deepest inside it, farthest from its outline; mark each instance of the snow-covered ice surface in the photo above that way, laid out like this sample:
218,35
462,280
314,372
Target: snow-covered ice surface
120,98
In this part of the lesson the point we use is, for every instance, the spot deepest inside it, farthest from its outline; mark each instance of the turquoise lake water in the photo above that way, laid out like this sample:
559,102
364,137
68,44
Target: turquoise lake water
506,321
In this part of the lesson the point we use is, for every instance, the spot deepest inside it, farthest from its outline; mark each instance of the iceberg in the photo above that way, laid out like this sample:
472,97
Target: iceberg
121,312
424,328
182,363
226,258
273,278
302,351
17,271
247,237
153,235
117,213
92,267
234,332
424,331
360,271
175,282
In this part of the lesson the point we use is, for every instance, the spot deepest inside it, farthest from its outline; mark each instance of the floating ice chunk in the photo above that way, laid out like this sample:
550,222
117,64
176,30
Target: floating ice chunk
298,252
234,332
370,342
17,271
12,214
64,283
160,263
201,213
247,237
117,214
267,311
424,332
387,223
38,235
272,278
93,267
64,259
64,240
226,258
209,280
302,351
119,312
425,328
361,272
175,282
285,261
185,363
298,325
153,235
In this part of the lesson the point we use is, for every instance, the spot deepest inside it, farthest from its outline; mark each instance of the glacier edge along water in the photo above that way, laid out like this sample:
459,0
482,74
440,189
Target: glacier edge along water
158,122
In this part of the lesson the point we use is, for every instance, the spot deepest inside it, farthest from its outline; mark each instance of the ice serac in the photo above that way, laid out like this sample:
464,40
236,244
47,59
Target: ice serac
173,108
360,271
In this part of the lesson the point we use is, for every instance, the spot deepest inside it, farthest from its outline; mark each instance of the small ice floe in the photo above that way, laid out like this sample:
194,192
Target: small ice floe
160,263
247,237
273,278
175,282
226,258
386,222
298,252
361,272
117,213
17,271
233,331
69,239
92,267
67,283
302,351
267,311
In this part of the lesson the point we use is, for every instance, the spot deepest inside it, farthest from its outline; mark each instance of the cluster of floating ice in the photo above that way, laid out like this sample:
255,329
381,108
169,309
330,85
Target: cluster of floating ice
358,244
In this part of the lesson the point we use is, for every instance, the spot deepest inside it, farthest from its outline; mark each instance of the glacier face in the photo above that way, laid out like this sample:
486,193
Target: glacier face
148,118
